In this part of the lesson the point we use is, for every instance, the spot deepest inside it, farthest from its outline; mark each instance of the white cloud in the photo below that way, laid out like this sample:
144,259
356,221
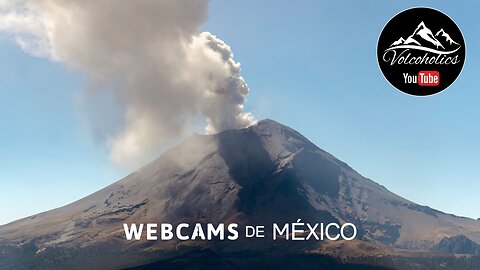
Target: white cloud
151,55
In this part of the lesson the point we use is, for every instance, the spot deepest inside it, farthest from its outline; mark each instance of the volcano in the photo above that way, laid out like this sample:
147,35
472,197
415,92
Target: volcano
258,175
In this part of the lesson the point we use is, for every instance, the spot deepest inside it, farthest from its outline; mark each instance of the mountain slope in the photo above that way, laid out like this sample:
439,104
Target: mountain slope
259,175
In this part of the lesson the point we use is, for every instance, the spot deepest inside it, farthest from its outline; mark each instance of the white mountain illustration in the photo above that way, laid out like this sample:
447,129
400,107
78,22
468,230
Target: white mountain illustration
411,40
447,37
425,33
400,41
423,36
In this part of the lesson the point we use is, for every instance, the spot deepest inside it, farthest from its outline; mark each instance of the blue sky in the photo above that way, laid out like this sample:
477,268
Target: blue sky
310,65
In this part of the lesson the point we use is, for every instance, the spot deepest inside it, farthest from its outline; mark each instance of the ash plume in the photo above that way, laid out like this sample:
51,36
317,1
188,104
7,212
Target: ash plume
161,75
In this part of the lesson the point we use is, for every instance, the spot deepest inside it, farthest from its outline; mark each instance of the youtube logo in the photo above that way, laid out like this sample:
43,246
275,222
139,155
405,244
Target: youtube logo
423,78
428,78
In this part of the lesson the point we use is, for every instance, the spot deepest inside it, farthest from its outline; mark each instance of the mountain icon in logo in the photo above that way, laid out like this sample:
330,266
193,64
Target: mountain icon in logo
424,39
447,37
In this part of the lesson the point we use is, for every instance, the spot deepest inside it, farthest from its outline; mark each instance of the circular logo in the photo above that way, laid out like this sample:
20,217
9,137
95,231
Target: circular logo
421,51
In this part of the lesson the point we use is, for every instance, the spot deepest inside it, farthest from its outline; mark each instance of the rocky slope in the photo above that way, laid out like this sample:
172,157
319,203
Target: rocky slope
259,175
